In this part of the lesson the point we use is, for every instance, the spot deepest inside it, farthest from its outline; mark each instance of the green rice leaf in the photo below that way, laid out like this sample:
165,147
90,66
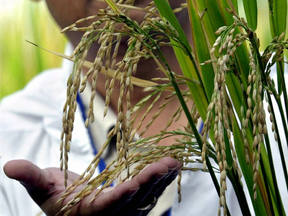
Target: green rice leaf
186,60
113,6
247,171
278,17
251,11
201,51
166,11
235,5
278,20
226,17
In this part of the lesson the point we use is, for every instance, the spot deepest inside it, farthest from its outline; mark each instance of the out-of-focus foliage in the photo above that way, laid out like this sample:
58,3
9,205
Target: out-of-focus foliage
19,60
27,20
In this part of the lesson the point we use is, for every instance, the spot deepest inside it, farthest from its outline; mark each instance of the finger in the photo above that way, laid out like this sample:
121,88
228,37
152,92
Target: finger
109,202
120,198
170,177
151,200
158,188
154,176
35,180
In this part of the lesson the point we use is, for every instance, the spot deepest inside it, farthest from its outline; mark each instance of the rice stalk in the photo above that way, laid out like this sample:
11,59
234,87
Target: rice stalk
232,135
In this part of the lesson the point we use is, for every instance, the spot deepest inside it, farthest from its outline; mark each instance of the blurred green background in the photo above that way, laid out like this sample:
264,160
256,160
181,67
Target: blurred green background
19,61
22,20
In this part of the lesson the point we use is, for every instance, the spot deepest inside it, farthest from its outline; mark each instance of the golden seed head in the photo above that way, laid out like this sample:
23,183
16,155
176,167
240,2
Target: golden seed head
249,102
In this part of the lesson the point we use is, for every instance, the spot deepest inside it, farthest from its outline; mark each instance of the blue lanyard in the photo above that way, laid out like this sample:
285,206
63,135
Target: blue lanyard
201,127
102,164
167,213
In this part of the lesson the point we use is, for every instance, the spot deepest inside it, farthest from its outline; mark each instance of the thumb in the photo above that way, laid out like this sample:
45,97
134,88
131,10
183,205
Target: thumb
35,180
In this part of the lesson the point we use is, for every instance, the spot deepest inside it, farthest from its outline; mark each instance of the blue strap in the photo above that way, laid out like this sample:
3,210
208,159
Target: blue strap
102,164
201,126
167,213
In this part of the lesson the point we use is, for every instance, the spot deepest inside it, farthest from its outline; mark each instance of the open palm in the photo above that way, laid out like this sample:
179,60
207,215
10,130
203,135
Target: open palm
45,186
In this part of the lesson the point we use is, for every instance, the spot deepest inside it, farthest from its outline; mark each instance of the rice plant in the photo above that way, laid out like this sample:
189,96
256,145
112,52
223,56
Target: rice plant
223,73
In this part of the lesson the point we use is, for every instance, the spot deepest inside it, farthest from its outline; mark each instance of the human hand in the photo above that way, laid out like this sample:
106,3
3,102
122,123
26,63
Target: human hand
45,186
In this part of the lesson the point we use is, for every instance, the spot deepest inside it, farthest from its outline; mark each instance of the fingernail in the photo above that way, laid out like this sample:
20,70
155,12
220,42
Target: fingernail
133,191
159,176
175,173
172,169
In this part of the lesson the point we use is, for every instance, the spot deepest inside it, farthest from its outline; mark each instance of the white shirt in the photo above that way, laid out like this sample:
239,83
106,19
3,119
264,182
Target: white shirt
31,124
31,127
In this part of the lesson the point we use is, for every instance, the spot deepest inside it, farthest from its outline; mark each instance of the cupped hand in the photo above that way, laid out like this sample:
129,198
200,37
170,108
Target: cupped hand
46,186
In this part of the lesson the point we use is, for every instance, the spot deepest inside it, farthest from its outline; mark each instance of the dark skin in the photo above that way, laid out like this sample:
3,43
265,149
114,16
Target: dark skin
46,186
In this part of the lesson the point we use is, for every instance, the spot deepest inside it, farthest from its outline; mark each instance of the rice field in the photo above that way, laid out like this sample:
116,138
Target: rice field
19,60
